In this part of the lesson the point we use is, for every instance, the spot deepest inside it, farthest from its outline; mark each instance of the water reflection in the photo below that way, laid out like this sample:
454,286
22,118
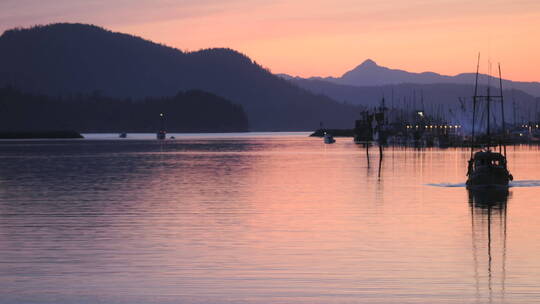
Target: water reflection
489,236
258,220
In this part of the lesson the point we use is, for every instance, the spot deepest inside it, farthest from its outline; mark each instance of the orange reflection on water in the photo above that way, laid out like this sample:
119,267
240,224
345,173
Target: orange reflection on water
275,219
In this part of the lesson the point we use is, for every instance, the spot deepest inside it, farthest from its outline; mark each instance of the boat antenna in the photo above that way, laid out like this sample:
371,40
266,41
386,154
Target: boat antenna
502,111
474,102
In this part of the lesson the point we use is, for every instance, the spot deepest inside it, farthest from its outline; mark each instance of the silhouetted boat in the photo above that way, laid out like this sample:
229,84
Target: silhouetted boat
328,138
487,168
363,130
161,134
123,135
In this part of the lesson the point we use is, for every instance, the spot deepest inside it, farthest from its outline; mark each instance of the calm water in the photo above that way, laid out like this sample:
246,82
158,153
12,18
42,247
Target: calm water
260,218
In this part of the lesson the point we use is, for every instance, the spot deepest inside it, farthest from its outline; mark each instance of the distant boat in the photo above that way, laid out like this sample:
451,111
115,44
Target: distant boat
161,134
123,135
487,168
328,138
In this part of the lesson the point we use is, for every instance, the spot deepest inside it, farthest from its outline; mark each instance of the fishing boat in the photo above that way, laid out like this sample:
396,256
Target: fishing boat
328,138
488,168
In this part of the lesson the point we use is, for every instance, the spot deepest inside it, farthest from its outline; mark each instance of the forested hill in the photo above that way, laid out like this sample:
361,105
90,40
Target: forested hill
190,111
61,59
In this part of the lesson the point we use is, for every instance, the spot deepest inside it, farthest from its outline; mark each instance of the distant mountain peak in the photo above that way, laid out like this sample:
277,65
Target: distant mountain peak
368,63
364,71
369,73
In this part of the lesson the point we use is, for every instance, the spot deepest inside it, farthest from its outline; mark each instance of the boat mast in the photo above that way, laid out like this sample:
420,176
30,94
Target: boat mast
502,112
488,102
474,103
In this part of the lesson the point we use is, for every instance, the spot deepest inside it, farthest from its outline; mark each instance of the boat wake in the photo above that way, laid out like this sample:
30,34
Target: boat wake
525,183
516,184
448,185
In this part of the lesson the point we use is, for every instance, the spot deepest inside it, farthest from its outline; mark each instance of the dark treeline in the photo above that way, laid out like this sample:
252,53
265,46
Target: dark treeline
189,111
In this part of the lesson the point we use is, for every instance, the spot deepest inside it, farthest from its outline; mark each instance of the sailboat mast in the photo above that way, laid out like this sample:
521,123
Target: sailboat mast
502,112
488,99
488,108
474,103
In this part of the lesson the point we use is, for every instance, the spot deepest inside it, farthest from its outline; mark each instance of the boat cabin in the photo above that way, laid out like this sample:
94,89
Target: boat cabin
488,158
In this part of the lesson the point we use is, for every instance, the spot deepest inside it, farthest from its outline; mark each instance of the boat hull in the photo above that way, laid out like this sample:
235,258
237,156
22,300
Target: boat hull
489,177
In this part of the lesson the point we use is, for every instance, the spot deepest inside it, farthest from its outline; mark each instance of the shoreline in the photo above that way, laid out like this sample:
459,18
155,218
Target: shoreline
41,135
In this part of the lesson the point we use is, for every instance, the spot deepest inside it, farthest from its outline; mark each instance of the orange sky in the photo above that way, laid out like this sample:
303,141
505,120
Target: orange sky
321,38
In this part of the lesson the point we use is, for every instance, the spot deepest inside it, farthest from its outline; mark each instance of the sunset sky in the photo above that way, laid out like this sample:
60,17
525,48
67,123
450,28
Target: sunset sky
320,37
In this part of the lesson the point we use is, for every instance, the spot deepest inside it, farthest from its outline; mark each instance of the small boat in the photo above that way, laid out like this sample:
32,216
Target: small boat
487,169
123,135
161,134
328,138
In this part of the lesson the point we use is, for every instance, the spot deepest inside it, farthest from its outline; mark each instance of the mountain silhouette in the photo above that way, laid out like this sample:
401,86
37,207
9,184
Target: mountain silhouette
450,100
369,73
64,58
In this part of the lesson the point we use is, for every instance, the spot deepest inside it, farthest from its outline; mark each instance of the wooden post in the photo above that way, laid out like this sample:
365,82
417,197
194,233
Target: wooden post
367,153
